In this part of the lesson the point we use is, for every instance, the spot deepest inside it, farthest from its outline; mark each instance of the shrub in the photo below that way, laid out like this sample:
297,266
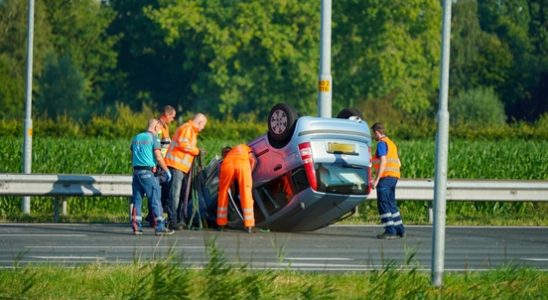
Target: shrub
477,107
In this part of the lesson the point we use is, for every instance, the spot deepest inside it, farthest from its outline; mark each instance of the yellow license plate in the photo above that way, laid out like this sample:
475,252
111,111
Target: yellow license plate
340,148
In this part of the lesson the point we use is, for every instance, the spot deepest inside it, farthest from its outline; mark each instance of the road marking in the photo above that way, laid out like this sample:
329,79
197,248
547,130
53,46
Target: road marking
43,235
116,247
69,257
534,258
319,258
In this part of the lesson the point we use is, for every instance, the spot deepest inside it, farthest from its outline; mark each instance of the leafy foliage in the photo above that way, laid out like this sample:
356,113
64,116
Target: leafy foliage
477,107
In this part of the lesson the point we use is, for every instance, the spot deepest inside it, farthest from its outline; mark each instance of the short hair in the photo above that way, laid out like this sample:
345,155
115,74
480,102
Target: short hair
378,127
152,123
168,109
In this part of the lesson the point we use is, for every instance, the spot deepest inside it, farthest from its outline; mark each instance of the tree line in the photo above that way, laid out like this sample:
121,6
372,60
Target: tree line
234,57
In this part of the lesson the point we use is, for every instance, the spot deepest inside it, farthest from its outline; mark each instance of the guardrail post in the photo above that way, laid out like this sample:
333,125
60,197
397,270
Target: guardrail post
430,213
56,201
56,209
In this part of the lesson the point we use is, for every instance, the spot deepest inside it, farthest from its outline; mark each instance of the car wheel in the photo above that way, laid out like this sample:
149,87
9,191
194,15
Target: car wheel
346,113
281,124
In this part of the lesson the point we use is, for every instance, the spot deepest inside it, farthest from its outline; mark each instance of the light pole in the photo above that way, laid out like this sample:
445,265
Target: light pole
27,146
442,149
325,80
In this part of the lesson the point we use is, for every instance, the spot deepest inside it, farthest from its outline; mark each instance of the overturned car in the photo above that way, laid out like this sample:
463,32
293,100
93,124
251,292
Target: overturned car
310,172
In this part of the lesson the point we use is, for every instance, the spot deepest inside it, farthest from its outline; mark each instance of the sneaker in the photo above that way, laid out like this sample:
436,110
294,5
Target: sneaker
165,231
138,232
387,236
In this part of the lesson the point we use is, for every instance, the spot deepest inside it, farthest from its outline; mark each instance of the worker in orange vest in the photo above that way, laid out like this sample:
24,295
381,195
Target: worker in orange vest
179,158
386,163
237,164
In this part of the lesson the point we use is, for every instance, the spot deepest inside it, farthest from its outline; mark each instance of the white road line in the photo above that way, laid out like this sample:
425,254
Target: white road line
69,257
115,247
319,258
43,235
534,259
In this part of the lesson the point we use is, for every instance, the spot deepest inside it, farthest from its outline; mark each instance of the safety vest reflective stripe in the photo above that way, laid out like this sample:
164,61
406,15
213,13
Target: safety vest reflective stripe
391,160
185,160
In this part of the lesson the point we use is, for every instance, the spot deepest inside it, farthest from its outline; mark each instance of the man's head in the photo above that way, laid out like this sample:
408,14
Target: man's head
168,114
153,126
200,121
378,130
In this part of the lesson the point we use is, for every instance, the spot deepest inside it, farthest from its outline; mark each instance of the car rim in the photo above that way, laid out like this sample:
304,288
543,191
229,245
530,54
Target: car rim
278,121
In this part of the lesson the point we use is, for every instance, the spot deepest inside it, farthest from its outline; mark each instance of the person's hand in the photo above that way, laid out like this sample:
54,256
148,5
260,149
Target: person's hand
168,175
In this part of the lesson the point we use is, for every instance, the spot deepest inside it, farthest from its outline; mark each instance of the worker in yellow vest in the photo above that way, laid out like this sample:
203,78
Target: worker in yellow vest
386,163
179,158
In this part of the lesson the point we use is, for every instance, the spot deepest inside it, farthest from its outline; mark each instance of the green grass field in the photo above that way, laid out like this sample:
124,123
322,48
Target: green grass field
505,159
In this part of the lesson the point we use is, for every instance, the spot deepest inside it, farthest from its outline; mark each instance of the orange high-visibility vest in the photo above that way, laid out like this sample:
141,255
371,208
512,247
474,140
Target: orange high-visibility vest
165,140
393,164
182,149
236,166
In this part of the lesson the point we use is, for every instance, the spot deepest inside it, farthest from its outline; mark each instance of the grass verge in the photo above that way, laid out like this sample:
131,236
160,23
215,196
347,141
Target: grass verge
166,279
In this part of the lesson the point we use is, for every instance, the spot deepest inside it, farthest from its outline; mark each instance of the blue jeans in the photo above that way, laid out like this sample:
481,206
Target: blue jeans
145,183
387,206
175,197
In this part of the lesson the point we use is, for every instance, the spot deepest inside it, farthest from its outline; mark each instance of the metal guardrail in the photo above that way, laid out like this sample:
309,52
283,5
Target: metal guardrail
60,186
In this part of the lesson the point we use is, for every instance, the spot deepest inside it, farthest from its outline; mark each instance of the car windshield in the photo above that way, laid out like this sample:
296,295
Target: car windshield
342,178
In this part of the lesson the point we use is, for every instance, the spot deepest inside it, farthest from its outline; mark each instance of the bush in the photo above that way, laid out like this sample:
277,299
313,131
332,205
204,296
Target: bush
477,107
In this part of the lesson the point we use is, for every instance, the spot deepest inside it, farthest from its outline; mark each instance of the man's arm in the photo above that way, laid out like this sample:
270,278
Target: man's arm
184,141
160,159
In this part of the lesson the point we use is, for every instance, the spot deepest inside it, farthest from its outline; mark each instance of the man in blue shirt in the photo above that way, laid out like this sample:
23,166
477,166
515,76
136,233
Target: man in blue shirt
145,155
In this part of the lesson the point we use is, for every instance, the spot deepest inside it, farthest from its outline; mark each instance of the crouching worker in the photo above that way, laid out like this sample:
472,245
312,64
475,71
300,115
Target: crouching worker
237,164
145,155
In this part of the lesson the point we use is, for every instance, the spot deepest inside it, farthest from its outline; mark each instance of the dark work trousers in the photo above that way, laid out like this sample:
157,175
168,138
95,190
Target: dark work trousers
387,206
174,214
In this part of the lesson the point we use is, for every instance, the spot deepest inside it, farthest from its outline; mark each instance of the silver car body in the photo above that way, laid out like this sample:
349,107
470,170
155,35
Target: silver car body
339,153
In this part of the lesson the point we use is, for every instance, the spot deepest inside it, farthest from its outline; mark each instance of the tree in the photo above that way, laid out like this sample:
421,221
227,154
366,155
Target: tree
80,36
477,107
478,58
246,55
515,24
13,52
62,89
386,50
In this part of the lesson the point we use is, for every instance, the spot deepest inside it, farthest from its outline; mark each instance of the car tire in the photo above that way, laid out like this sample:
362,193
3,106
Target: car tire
281,124
346,113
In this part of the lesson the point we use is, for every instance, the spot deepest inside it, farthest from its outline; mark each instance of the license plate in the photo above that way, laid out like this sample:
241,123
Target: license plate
341,148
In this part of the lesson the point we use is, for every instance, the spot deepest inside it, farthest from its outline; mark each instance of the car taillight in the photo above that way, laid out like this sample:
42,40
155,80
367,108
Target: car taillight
308,163
370,180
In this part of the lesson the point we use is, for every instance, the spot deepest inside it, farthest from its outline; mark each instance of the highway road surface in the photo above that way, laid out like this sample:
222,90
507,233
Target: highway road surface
337,248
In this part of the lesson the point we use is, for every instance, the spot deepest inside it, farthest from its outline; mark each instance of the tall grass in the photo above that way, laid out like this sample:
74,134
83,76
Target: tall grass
166,278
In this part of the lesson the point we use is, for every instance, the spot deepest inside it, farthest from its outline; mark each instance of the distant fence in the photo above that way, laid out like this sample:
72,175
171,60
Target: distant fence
59,186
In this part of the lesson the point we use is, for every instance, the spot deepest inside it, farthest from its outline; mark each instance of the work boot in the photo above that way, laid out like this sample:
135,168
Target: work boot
176,227
165,231
387,236
249,229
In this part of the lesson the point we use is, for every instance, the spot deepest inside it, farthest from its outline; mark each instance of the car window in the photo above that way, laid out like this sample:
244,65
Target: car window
342,178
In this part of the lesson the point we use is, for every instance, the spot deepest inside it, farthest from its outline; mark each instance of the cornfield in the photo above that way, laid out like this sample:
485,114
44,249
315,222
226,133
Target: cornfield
478,159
